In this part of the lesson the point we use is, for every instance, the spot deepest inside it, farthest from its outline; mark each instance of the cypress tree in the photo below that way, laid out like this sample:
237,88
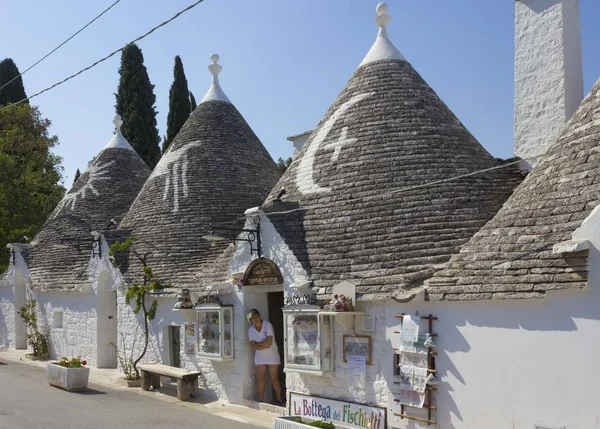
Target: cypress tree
179,103
135,104
14,91
193,104
77,174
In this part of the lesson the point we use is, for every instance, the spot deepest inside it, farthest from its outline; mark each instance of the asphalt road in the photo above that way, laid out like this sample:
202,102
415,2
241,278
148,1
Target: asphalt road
27,401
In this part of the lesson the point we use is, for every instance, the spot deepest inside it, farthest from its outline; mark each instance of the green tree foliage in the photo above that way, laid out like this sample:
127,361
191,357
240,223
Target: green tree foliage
135,104
14,91
179,103
283,164
77,174
30,175
193,104
37,340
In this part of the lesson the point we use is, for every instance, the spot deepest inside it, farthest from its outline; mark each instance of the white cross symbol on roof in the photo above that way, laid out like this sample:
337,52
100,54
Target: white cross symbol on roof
337,145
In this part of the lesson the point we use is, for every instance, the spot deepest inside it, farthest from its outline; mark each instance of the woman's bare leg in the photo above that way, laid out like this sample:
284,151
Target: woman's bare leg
261,381
274,376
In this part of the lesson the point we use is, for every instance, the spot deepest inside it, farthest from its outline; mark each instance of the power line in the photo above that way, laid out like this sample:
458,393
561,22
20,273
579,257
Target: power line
106,57
408,188
59,46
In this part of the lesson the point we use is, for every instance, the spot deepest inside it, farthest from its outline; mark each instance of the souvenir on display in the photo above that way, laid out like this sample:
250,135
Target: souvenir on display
339,303
184,299
305,324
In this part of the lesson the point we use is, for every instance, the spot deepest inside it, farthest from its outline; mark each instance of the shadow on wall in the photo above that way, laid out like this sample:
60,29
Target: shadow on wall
4,340
469,333
291,228
539,6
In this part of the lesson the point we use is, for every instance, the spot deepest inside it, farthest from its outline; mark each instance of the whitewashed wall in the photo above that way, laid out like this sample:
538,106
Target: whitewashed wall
510,364
548,73
339,384
7,318
235,381
78,334
131,327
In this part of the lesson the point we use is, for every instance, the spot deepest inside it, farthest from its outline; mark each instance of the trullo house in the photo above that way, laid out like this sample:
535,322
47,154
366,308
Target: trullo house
66,267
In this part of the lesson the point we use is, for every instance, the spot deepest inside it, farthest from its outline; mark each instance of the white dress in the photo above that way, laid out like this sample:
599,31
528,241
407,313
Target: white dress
268,356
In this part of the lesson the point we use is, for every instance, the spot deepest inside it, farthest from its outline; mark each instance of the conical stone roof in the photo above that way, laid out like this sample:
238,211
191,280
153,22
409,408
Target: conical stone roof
214,170
513,255
373,198
60,253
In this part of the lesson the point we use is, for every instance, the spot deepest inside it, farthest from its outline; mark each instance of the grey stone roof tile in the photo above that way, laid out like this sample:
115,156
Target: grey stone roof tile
544,210
103,192
361,212
214,170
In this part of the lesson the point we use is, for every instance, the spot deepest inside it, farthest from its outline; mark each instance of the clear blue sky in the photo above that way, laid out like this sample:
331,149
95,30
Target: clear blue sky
284,61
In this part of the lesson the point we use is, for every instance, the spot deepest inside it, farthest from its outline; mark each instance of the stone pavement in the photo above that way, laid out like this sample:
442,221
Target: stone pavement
112,378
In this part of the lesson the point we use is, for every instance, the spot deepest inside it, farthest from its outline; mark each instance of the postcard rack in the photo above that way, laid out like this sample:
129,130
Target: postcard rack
430,370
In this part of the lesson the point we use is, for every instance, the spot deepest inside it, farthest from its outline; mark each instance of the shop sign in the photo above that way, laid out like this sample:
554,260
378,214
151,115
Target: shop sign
209,299
340,413
262,271
300,300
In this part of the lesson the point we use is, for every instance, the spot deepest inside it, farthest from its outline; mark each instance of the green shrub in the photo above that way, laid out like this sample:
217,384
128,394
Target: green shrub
322,425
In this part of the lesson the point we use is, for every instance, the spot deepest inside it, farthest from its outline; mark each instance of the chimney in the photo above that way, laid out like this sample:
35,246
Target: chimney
298,142
548,73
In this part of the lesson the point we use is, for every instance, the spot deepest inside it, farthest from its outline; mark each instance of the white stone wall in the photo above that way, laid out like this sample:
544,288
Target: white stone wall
235,381
7,318
78,334
131,327
513,364
338,384
231,381
548,73
298,143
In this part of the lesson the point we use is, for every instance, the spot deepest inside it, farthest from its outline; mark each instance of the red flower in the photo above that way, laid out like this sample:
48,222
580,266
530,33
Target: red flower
84,362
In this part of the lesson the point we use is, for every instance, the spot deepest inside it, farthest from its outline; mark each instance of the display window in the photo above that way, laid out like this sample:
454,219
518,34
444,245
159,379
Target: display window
215,332
308,340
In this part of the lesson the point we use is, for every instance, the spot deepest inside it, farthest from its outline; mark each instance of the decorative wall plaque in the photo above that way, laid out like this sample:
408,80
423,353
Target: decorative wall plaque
209,299
262,271
300,300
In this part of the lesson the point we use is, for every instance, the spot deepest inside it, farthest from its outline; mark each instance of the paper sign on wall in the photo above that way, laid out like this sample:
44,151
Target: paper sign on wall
357,369
190,338
410,329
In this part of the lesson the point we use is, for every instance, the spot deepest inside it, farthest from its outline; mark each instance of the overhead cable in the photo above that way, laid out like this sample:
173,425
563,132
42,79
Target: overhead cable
106,57
59,46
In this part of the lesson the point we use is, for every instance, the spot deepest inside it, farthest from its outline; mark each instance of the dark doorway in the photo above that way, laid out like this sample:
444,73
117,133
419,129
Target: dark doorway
174,344
275,301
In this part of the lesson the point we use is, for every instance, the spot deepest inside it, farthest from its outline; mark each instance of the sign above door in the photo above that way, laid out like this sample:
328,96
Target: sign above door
262,271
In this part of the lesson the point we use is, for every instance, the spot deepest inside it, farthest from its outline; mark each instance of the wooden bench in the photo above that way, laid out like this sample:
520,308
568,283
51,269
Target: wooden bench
187,381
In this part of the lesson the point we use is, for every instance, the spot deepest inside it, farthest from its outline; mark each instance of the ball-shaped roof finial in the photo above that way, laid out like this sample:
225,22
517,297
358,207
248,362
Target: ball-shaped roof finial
118,122
215,58
382,8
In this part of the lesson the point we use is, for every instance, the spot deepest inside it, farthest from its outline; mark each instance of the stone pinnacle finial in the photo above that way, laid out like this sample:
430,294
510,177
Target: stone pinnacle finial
215,68
215,93
118,141
118,122
383,48
382,19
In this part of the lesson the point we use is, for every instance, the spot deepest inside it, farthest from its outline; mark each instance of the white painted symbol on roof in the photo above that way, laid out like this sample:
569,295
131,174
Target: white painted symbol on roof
96,173
174,166
304,177
337,145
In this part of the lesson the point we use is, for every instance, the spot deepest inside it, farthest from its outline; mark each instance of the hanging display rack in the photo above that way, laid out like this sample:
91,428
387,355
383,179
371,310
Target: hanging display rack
431,370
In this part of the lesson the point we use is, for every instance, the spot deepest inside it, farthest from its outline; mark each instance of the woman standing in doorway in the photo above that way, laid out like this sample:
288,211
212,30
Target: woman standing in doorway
266,355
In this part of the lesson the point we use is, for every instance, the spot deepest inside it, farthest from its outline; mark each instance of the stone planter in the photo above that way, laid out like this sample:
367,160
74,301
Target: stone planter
69,379
130,383
289,423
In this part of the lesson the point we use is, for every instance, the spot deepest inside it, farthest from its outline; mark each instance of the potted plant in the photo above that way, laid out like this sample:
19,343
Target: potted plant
295,422
69,374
